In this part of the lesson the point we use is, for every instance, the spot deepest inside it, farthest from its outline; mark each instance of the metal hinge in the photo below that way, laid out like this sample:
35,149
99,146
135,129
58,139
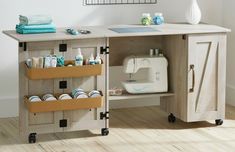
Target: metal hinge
24,45
104,50
63,123
63,84
63,47
104,115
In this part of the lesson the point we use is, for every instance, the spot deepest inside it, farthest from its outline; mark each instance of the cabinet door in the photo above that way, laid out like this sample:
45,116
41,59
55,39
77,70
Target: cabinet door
88,118
206,77
44,122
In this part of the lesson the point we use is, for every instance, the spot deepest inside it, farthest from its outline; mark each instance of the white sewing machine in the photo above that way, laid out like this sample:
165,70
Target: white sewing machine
156,78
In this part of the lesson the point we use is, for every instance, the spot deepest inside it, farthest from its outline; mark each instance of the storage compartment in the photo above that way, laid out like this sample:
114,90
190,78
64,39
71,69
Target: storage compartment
63,105
63,72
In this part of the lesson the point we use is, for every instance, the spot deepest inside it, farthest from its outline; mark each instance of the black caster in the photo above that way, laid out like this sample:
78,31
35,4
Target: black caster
219,122
104,131
32,138
171,118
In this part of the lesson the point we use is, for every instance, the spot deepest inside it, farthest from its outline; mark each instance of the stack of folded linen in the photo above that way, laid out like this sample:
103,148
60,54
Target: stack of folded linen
35,24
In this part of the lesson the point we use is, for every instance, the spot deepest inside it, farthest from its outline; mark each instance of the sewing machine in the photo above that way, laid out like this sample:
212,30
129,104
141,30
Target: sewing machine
156,79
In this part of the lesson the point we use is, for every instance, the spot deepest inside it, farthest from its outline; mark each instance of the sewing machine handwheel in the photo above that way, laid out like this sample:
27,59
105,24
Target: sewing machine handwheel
171,118
219,122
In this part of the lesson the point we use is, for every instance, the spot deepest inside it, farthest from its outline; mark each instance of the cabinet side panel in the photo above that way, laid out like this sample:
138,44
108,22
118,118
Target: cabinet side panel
222,75
23,90
175,49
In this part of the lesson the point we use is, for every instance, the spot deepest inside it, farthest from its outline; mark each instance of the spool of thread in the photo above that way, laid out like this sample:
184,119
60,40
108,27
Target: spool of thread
79,93
156,52
94,94
151,51
65,97
48,97
76,90
34,99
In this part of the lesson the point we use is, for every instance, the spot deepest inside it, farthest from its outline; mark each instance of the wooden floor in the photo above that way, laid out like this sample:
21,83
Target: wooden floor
131,130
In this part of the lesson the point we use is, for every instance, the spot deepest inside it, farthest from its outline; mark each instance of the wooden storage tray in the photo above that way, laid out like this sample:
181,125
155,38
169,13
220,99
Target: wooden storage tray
63,105
63,72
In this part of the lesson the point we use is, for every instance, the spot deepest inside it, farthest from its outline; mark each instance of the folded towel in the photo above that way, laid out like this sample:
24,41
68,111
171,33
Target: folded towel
42,26
32,29
35,31
35,19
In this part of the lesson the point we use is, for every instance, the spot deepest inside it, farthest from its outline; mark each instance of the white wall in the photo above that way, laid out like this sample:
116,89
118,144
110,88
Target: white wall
229,22
72,13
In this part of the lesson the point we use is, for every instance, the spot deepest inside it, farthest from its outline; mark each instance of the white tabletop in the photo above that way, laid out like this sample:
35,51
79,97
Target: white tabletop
103,32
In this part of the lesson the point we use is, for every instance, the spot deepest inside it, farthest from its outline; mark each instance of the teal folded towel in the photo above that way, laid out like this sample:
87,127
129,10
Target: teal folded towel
35,29
42,26
35,19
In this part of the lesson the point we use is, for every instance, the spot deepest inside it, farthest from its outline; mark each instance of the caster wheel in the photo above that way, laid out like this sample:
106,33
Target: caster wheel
171,118
104,131
32,138
218,122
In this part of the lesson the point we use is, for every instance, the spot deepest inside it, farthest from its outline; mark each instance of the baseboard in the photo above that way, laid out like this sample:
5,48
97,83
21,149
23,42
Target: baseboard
9,107
230,95
134,103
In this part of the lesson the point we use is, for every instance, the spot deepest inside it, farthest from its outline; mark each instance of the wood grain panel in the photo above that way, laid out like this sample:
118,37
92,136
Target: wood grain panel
204,54
126,46
76,118
175,50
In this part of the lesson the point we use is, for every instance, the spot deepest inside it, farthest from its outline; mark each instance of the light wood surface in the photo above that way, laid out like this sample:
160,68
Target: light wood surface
48,122
132,130
103,31
139,96
180,50
175,50
88,118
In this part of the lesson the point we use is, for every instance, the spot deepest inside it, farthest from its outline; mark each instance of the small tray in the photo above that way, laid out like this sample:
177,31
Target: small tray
63,72
63,105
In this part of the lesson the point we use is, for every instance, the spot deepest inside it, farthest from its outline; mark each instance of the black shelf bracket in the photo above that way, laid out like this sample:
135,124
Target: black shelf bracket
104,115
